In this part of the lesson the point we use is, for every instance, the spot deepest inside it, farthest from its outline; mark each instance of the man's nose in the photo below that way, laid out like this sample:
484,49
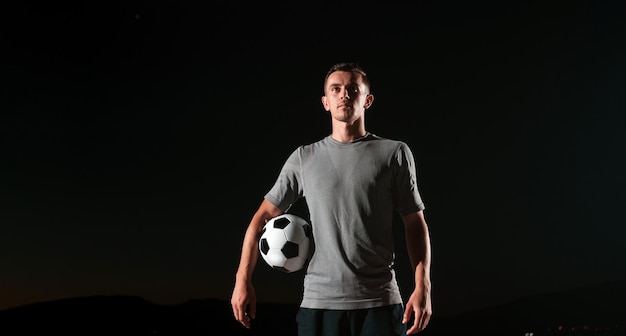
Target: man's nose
346,94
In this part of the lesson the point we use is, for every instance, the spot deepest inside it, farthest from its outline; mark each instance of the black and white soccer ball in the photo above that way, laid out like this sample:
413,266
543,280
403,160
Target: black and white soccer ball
286,243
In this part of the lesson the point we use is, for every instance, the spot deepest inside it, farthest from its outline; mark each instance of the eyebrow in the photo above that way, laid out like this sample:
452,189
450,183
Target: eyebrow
349,84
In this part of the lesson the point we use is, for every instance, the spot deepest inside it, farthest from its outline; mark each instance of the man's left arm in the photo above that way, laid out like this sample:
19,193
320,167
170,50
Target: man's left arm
418,246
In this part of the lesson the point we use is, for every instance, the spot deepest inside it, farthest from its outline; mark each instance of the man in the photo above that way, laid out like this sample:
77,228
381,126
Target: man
353,182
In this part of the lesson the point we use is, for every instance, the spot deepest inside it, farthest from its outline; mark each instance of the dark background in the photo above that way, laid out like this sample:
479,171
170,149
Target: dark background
137,139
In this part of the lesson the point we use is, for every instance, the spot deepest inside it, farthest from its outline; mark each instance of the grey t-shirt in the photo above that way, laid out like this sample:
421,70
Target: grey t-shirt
351,190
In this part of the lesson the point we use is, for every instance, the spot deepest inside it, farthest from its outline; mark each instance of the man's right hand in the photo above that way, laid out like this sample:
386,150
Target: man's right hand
243,302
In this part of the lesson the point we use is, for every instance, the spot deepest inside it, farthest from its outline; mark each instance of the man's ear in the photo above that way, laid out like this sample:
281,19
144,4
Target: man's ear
325,103
369,100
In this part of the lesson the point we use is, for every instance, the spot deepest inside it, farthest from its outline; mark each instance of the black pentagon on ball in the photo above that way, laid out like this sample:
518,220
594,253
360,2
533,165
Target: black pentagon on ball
264,246
308,230
282,269
290,250
281,223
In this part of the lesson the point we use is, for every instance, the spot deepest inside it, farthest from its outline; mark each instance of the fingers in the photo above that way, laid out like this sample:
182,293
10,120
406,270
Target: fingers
245,320
252,310
408,311
425,320
243,302
421,320
239,311
242,317
415,328
244,313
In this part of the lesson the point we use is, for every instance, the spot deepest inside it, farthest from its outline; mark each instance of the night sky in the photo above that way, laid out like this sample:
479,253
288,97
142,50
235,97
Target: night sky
138,138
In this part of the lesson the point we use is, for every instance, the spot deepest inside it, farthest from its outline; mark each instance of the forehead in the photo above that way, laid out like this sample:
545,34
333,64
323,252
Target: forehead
343,78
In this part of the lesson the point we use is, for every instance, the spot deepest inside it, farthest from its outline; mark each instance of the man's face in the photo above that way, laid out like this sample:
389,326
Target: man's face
346,96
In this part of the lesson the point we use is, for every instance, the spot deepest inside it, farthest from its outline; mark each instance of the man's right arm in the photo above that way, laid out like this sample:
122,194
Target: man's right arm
243,300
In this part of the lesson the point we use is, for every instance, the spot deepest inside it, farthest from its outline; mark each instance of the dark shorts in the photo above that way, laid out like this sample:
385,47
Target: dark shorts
379,321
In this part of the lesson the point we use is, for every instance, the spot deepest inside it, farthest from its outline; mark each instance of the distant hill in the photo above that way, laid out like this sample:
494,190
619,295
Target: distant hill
594,310
129,315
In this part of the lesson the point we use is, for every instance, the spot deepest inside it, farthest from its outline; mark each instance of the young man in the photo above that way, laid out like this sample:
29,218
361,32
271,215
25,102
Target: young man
353,182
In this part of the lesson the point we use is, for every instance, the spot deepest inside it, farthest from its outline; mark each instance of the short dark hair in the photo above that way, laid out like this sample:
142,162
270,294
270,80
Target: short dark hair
349,67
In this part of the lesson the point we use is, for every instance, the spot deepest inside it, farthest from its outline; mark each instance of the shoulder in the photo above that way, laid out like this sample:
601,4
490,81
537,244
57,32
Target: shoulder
314,145
309,149
399,150
392,143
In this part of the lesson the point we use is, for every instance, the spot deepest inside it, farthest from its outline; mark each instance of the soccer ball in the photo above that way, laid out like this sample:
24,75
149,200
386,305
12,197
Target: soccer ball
286,243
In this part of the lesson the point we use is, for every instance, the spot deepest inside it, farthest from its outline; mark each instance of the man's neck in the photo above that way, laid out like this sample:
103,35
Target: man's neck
348,134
